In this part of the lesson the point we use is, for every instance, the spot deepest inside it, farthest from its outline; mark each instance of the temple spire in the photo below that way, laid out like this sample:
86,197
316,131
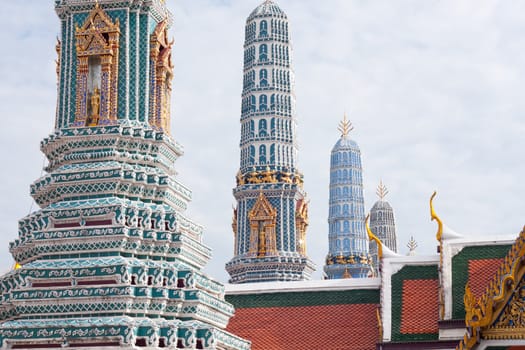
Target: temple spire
348,241
382,223
345,126
269,247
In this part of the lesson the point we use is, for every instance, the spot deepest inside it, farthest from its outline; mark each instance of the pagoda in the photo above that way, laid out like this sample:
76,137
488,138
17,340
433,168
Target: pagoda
347,239
110,260
271,216
383,225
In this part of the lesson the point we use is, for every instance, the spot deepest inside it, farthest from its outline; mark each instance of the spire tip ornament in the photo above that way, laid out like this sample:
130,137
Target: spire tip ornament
381,191
412,245
345,126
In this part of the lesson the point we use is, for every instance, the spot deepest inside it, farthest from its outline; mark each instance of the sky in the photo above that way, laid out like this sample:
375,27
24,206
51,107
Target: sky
433,88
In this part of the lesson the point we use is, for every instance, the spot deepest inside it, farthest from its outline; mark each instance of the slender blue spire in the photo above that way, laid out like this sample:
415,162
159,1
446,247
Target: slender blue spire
271,216
348,243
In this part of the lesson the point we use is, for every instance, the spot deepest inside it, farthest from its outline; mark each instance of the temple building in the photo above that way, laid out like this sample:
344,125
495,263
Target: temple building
347,240
110,259
383,225
271,216
468,296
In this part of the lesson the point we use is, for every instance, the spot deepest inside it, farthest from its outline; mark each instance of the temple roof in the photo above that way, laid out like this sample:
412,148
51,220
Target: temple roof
329,314
267,8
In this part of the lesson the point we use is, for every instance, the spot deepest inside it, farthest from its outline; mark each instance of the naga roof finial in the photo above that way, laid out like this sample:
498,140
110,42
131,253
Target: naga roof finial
345,126
372,237
434,216
381,191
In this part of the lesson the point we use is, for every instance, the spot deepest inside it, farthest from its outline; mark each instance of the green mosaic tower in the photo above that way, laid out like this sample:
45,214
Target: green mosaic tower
110,260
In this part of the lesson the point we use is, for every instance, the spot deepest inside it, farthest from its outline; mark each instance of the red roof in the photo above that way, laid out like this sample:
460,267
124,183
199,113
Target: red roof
480,273
337,327
420,313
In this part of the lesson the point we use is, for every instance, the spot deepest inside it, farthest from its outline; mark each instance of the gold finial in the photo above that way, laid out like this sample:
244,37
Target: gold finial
345,126
412,245
17,266
372,237
433,217
381,191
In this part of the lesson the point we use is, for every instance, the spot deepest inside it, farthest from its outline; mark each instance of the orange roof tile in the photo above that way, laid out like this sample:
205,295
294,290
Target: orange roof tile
337,327
420,312
480,273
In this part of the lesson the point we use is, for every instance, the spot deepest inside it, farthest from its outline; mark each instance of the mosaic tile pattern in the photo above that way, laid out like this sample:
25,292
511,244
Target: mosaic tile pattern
461,274
414,290
307,320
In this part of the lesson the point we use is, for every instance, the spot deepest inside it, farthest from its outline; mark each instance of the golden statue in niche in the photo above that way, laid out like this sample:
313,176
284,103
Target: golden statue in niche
93,117
160,89
97,47
261,247
95,103
262,226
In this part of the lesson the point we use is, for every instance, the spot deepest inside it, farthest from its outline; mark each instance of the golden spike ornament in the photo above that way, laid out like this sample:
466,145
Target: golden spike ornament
381,191
345,126
434,216
412,244
372,237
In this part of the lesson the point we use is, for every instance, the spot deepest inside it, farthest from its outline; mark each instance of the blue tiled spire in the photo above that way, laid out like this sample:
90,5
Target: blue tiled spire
272,213
348,242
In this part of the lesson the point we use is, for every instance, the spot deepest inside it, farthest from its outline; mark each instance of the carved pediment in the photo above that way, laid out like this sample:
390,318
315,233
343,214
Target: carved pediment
510,324
262,210
302,211
95,35
94,44
161,46
98,21
500,312
160,35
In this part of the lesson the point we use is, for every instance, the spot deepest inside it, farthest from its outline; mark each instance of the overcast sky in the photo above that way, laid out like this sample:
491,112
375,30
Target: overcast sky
433,88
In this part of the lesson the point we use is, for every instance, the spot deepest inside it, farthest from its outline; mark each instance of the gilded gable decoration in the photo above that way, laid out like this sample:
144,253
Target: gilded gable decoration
161,76
301,222
499,312
262,227
97,46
